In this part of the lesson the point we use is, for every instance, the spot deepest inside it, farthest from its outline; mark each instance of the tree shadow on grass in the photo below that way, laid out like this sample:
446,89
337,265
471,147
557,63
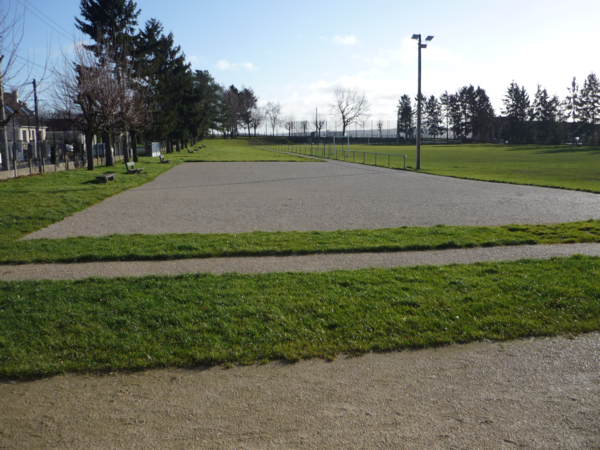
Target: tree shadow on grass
550,149
579,150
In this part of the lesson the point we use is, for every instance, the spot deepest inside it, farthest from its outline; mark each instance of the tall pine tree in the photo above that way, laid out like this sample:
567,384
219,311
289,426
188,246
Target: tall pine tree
590,106
517,108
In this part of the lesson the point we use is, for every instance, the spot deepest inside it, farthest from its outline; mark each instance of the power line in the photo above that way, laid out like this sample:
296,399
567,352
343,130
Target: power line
42,13
34,64
50,25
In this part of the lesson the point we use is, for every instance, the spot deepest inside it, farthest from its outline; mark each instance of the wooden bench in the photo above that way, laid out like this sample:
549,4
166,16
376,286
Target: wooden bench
131,168
163,160
105,177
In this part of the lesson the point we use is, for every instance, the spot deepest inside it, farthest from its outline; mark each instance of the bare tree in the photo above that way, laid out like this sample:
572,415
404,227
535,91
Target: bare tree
273,111
257,118
289,124
319,124
134,108
304,126
380,128
87,85
362,124
349,106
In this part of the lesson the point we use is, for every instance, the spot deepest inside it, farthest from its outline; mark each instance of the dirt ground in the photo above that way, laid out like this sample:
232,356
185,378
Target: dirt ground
535,394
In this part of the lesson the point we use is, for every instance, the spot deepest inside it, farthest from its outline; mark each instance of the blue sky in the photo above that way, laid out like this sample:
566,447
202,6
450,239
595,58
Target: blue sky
296,53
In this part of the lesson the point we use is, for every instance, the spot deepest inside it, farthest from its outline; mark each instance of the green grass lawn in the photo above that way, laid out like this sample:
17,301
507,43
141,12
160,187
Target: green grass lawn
34,202
232,150
182,246
561,166
88,325
31,203
91,325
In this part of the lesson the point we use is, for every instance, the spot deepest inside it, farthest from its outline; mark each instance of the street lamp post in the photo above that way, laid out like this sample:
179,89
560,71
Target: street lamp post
427,40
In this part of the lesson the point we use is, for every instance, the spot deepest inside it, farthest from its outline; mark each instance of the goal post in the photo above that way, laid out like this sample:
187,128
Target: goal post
342,137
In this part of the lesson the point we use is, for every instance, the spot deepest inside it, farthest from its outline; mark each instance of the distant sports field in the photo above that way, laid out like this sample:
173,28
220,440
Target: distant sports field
561,166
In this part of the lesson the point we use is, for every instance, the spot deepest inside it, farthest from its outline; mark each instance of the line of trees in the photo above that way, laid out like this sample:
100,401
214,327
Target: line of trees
545,119
467,113
549,120
135,84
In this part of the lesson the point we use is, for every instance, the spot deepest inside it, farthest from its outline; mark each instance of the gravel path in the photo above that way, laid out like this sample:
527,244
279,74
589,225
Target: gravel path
535,394
333,195
305,263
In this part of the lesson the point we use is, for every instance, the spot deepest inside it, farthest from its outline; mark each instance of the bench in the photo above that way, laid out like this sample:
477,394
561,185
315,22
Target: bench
131,168
190,151
163,160
105,177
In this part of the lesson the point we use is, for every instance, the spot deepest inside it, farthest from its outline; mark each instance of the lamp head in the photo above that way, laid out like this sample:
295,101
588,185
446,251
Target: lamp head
429,38
415,36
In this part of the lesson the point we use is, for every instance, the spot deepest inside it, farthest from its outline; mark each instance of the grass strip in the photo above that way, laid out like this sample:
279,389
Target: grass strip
30,203
49,328
556,166
184,246
233,150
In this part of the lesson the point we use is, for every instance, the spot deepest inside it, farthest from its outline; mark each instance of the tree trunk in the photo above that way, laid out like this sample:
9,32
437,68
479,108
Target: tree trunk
3,144
134,145
3,138
107,141
126,154
89,149
107,144
178,145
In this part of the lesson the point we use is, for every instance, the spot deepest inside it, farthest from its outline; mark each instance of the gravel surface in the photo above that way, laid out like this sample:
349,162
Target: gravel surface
535,394
541,393
305,263
332,195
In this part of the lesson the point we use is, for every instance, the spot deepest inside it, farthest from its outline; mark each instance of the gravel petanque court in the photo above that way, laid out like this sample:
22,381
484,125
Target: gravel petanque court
332,195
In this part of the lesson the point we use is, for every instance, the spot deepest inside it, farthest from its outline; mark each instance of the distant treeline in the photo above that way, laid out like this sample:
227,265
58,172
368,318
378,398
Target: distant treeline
468,114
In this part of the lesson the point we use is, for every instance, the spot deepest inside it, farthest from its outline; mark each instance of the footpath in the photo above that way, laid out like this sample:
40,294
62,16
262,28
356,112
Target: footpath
531,393
303,263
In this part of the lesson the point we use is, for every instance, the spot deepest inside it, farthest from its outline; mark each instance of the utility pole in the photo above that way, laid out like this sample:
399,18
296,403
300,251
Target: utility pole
3,138
37,127
427,40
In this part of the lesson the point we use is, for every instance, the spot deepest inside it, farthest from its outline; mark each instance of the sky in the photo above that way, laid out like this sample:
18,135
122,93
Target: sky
297,53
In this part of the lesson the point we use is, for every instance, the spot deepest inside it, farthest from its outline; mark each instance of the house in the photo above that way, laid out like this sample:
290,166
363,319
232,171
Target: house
22,126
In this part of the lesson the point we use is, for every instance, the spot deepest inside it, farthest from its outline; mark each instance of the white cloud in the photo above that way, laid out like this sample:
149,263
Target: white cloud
225,65
381,62
345,40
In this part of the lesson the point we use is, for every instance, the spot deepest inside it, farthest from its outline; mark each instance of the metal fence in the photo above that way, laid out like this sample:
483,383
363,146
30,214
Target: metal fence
50,156
329,151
